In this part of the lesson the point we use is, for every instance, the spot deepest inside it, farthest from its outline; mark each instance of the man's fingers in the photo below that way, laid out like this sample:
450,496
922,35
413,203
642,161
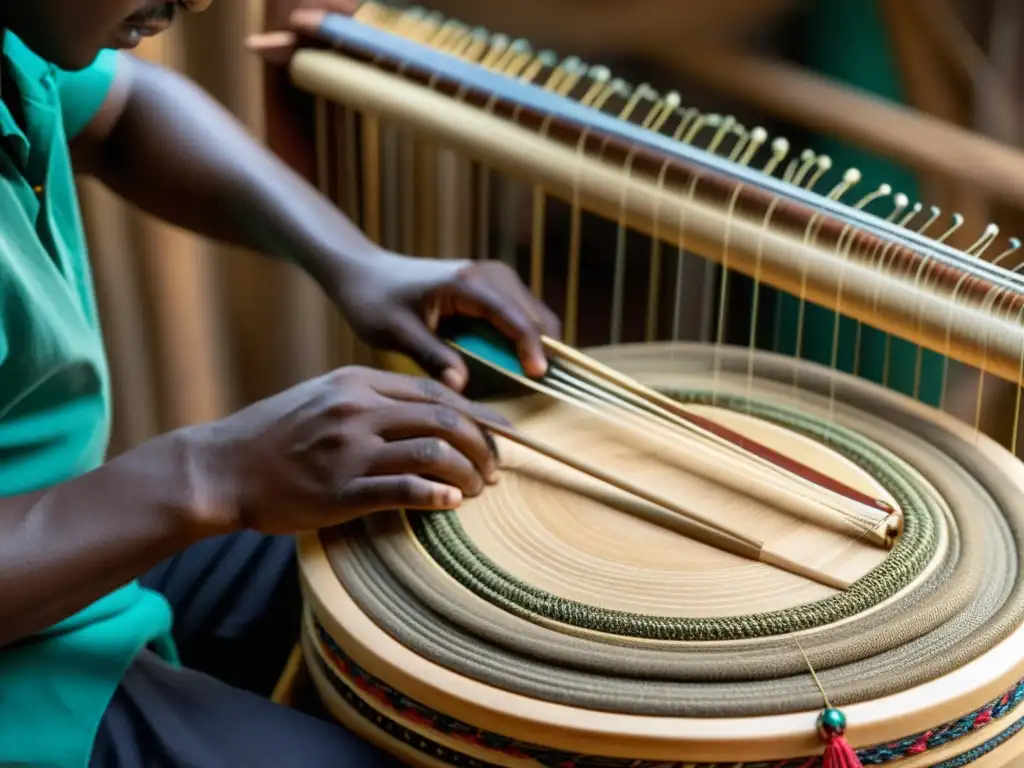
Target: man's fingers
366,495
435,357
431,457
275,47
492,291
418,389
509,316
430,420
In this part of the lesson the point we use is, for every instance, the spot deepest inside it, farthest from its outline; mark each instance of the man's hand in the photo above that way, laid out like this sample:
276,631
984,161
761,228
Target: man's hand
283,22
395,302
346,444
320,454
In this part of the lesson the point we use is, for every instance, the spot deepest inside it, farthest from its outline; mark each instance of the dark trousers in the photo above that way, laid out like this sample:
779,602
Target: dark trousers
237,610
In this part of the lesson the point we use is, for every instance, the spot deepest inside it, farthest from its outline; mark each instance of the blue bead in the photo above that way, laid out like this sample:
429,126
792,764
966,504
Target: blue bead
831,722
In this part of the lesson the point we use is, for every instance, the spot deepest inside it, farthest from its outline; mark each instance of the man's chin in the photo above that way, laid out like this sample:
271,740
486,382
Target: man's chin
129,36
126,38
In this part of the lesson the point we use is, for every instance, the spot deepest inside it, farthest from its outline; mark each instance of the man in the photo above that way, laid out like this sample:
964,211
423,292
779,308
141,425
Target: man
96,558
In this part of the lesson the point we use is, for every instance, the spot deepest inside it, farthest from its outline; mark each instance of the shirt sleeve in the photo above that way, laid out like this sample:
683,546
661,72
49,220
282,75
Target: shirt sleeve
83,92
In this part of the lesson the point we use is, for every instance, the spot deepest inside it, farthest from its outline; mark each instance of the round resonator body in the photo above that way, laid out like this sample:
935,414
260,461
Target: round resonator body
556,621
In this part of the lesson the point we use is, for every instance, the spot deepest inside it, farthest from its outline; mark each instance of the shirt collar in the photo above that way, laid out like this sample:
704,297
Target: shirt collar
33,78
7,124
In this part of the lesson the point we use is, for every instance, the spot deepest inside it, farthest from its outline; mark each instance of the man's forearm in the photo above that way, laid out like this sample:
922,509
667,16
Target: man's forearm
69,545
177,154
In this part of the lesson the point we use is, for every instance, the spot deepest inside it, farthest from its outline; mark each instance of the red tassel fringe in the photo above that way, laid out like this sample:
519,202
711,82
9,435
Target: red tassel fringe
839,754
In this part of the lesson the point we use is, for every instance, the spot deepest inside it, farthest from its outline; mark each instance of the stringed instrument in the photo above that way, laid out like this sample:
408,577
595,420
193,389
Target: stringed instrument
701,553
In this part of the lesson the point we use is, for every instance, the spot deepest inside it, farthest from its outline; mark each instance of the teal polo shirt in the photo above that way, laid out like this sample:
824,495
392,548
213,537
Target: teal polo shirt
55,409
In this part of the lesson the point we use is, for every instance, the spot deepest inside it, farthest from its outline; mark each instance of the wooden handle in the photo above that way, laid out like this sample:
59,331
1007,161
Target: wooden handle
784,483
695,524
623,485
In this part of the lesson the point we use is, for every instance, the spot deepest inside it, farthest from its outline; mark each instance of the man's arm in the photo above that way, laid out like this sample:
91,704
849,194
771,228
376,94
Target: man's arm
163,144
167,147
346,444
92,535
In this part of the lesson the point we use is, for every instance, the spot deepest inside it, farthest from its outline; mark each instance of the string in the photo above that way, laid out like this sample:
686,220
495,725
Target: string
919,353
572,287
845,236
1020,390
951,304
911,215
538,203
883,190
889,251
723,295
655,119
526,67
469,45
814,674
685,208
430,29
509,205
780,148
688,118
475,46
989,302
587,389
977,250
644,91
933,215
757,137
900,203
654,284
701,122
810,667
755,300
810,235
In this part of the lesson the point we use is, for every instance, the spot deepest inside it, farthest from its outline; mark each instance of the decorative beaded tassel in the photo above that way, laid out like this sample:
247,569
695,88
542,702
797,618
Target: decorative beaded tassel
831,727
838,752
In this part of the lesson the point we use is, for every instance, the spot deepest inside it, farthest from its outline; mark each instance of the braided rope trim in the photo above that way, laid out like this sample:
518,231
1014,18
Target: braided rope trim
445,540
348,676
